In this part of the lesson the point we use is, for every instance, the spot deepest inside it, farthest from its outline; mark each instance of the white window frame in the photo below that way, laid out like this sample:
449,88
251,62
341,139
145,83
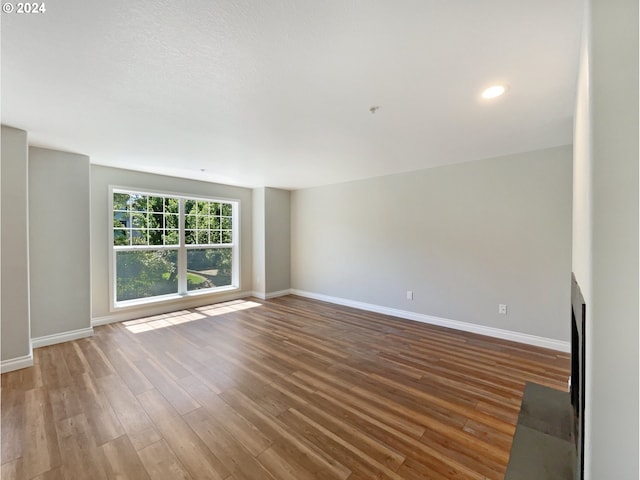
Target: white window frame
181,249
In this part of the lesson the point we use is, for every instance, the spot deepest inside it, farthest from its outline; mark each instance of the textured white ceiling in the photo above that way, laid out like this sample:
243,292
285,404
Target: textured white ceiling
277,93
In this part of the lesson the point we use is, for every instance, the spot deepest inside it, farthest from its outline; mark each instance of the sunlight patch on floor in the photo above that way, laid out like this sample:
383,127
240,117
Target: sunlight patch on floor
227,307
164,320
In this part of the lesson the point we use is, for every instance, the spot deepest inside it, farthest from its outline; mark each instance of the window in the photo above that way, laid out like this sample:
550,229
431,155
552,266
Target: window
166,246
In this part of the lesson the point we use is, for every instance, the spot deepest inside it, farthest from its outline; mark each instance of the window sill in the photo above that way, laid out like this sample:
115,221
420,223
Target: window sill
176,297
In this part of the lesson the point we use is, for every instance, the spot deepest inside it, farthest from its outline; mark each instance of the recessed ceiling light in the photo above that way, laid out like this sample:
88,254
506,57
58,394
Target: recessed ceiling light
494,91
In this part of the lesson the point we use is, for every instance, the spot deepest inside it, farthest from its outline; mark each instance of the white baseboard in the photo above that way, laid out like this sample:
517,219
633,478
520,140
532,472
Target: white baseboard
61,337
167,307
443,322
267,296
16,363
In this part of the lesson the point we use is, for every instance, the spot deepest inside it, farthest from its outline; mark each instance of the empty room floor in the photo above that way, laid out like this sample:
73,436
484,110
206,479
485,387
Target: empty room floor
288,388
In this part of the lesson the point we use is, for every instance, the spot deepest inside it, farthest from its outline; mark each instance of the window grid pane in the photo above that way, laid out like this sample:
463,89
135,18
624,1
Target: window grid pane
145,273
143,221
209,268
208,223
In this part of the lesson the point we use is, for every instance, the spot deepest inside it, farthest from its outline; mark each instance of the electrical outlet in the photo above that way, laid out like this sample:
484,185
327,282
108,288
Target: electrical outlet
409,295
502,309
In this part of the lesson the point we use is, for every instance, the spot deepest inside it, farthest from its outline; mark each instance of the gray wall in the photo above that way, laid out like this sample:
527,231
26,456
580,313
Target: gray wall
463,238
14,327
259,243
59,232
278,240
271,241
606,220
101,178
582,173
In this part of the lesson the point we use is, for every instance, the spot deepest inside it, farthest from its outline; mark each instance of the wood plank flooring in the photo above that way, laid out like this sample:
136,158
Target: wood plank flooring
284,389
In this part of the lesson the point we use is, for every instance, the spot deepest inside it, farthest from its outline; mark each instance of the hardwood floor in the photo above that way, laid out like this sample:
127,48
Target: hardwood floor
282,389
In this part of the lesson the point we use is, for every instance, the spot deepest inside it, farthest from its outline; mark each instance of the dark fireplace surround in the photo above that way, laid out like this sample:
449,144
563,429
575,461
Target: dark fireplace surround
578,366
